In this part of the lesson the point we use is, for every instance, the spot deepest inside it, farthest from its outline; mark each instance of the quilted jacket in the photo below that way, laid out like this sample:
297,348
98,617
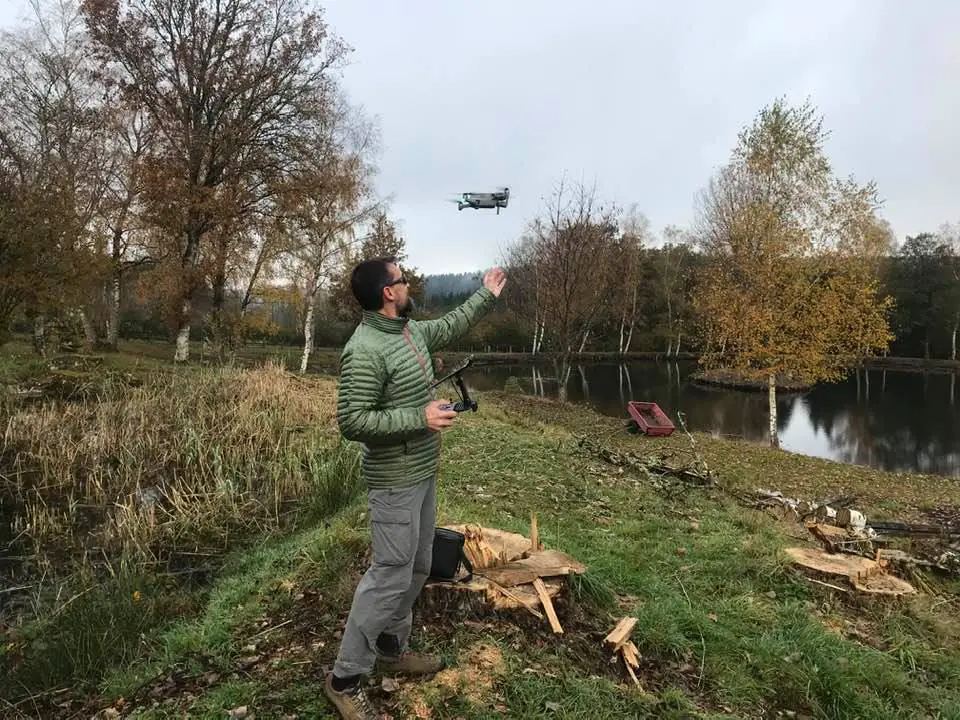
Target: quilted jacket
385,376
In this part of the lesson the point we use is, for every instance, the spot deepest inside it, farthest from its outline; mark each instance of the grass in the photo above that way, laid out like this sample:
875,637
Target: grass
725,627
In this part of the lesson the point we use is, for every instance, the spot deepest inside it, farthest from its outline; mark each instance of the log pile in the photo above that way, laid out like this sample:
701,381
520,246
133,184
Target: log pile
510,572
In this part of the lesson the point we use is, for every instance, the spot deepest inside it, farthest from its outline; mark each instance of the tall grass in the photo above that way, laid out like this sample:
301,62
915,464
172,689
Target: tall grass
180,463
116,501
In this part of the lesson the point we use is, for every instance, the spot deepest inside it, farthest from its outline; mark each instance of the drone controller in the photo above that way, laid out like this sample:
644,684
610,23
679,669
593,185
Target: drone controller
466,402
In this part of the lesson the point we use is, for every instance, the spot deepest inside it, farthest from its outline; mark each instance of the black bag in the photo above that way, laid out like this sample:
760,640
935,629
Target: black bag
449,555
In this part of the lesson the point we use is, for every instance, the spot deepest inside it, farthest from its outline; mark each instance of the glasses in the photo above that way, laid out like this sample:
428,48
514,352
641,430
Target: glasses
400,280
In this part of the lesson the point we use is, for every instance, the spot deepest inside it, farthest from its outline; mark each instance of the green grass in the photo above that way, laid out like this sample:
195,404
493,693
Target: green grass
726,628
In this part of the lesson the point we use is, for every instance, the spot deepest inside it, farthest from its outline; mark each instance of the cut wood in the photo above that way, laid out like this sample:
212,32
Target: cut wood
506,545
548,606
864,575
534,534
621,633
833,564
630,654
546,563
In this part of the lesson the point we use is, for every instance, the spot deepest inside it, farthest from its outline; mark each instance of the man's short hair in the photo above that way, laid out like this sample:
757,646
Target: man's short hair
368,280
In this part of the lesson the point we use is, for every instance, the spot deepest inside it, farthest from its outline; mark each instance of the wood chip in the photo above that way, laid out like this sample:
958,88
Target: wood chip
630,654
548,606
621,633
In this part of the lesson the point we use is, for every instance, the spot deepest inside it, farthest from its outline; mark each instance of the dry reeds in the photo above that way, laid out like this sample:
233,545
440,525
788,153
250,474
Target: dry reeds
178,464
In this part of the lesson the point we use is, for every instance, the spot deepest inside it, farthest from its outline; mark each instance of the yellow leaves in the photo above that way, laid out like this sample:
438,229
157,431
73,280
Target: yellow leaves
790,283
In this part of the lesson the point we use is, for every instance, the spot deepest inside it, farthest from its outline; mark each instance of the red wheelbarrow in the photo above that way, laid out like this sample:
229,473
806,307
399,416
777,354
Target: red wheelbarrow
650,418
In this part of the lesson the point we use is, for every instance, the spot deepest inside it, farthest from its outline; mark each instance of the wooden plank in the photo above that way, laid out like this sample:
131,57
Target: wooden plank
621,633
548,606
534,534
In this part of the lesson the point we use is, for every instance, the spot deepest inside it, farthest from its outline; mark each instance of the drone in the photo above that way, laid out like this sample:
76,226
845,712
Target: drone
484,201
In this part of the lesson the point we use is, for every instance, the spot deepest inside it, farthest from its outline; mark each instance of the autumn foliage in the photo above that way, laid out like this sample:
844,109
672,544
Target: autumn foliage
790,285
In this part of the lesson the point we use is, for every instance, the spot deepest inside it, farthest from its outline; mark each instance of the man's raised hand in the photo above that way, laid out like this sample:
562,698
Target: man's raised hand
437,418
494,281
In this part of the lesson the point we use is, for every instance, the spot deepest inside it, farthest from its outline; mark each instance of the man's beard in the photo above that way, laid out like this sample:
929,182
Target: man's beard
408,307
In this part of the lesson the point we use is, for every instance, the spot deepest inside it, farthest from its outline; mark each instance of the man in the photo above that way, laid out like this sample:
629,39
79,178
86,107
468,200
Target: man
385,402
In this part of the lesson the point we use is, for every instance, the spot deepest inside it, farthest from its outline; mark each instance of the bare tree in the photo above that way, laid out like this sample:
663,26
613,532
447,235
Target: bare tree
573,258
229,86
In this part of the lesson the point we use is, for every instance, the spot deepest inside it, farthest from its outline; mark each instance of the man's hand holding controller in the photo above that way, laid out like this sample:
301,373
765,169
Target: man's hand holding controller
440,415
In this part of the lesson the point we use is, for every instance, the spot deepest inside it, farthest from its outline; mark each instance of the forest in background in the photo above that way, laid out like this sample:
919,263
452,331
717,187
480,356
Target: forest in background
223,191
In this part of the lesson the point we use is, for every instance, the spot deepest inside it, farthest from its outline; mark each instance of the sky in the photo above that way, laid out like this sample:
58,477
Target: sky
642,99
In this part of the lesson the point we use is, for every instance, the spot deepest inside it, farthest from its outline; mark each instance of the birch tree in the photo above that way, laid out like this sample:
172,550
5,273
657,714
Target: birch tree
327,202
634,235
790,286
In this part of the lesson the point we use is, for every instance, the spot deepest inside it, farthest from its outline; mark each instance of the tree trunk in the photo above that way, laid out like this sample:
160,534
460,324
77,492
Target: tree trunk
89,332
677,351
584,386
563,374
182,353
187,269
40,335
113,309
626,348
953,337
583,343
623,324
866,382
308,331
772,392
536,332
669,347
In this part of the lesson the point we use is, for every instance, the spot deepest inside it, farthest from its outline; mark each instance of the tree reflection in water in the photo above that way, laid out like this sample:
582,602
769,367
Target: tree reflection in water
899,421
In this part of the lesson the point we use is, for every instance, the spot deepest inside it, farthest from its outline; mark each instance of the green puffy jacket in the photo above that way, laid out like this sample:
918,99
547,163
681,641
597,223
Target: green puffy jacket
384,388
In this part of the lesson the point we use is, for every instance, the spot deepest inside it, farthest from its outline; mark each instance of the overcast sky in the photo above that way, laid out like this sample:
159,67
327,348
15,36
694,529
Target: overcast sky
643,98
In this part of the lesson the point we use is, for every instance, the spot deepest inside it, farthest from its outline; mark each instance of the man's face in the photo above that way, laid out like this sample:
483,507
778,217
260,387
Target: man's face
398,291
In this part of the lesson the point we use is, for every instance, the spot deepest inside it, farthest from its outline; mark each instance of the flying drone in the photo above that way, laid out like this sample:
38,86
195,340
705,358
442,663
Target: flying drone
484,201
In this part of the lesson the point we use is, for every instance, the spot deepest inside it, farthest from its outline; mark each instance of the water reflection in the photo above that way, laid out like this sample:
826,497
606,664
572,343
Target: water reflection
891,420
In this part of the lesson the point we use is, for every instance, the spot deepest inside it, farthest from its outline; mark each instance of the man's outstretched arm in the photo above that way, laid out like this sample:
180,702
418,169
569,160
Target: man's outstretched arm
457,322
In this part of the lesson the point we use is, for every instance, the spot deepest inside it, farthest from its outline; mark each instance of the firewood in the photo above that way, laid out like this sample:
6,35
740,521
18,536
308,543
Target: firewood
621,633
534,534
548,606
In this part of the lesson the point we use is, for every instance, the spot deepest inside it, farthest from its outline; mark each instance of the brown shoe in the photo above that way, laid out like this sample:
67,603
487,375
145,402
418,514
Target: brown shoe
352,703
409,664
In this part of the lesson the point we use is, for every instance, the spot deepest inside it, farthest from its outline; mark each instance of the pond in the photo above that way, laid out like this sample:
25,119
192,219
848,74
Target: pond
892,420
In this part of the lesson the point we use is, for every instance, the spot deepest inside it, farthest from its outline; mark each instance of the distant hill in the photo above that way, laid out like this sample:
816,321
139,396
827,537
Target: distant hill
446,288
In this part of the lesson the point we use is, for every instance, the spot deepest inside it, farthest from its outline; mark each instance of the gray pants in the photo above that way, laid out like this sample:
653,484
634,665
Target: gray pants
402,525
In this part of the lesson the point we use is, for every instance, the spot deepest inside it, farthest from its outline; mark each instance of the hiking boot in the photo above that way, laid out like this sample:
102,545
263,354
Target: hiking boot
352,703
409,663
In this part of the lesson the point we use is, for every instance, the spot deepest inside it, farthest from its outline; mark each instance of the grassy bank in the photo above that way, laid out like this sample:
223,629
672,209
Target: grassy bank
725,627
